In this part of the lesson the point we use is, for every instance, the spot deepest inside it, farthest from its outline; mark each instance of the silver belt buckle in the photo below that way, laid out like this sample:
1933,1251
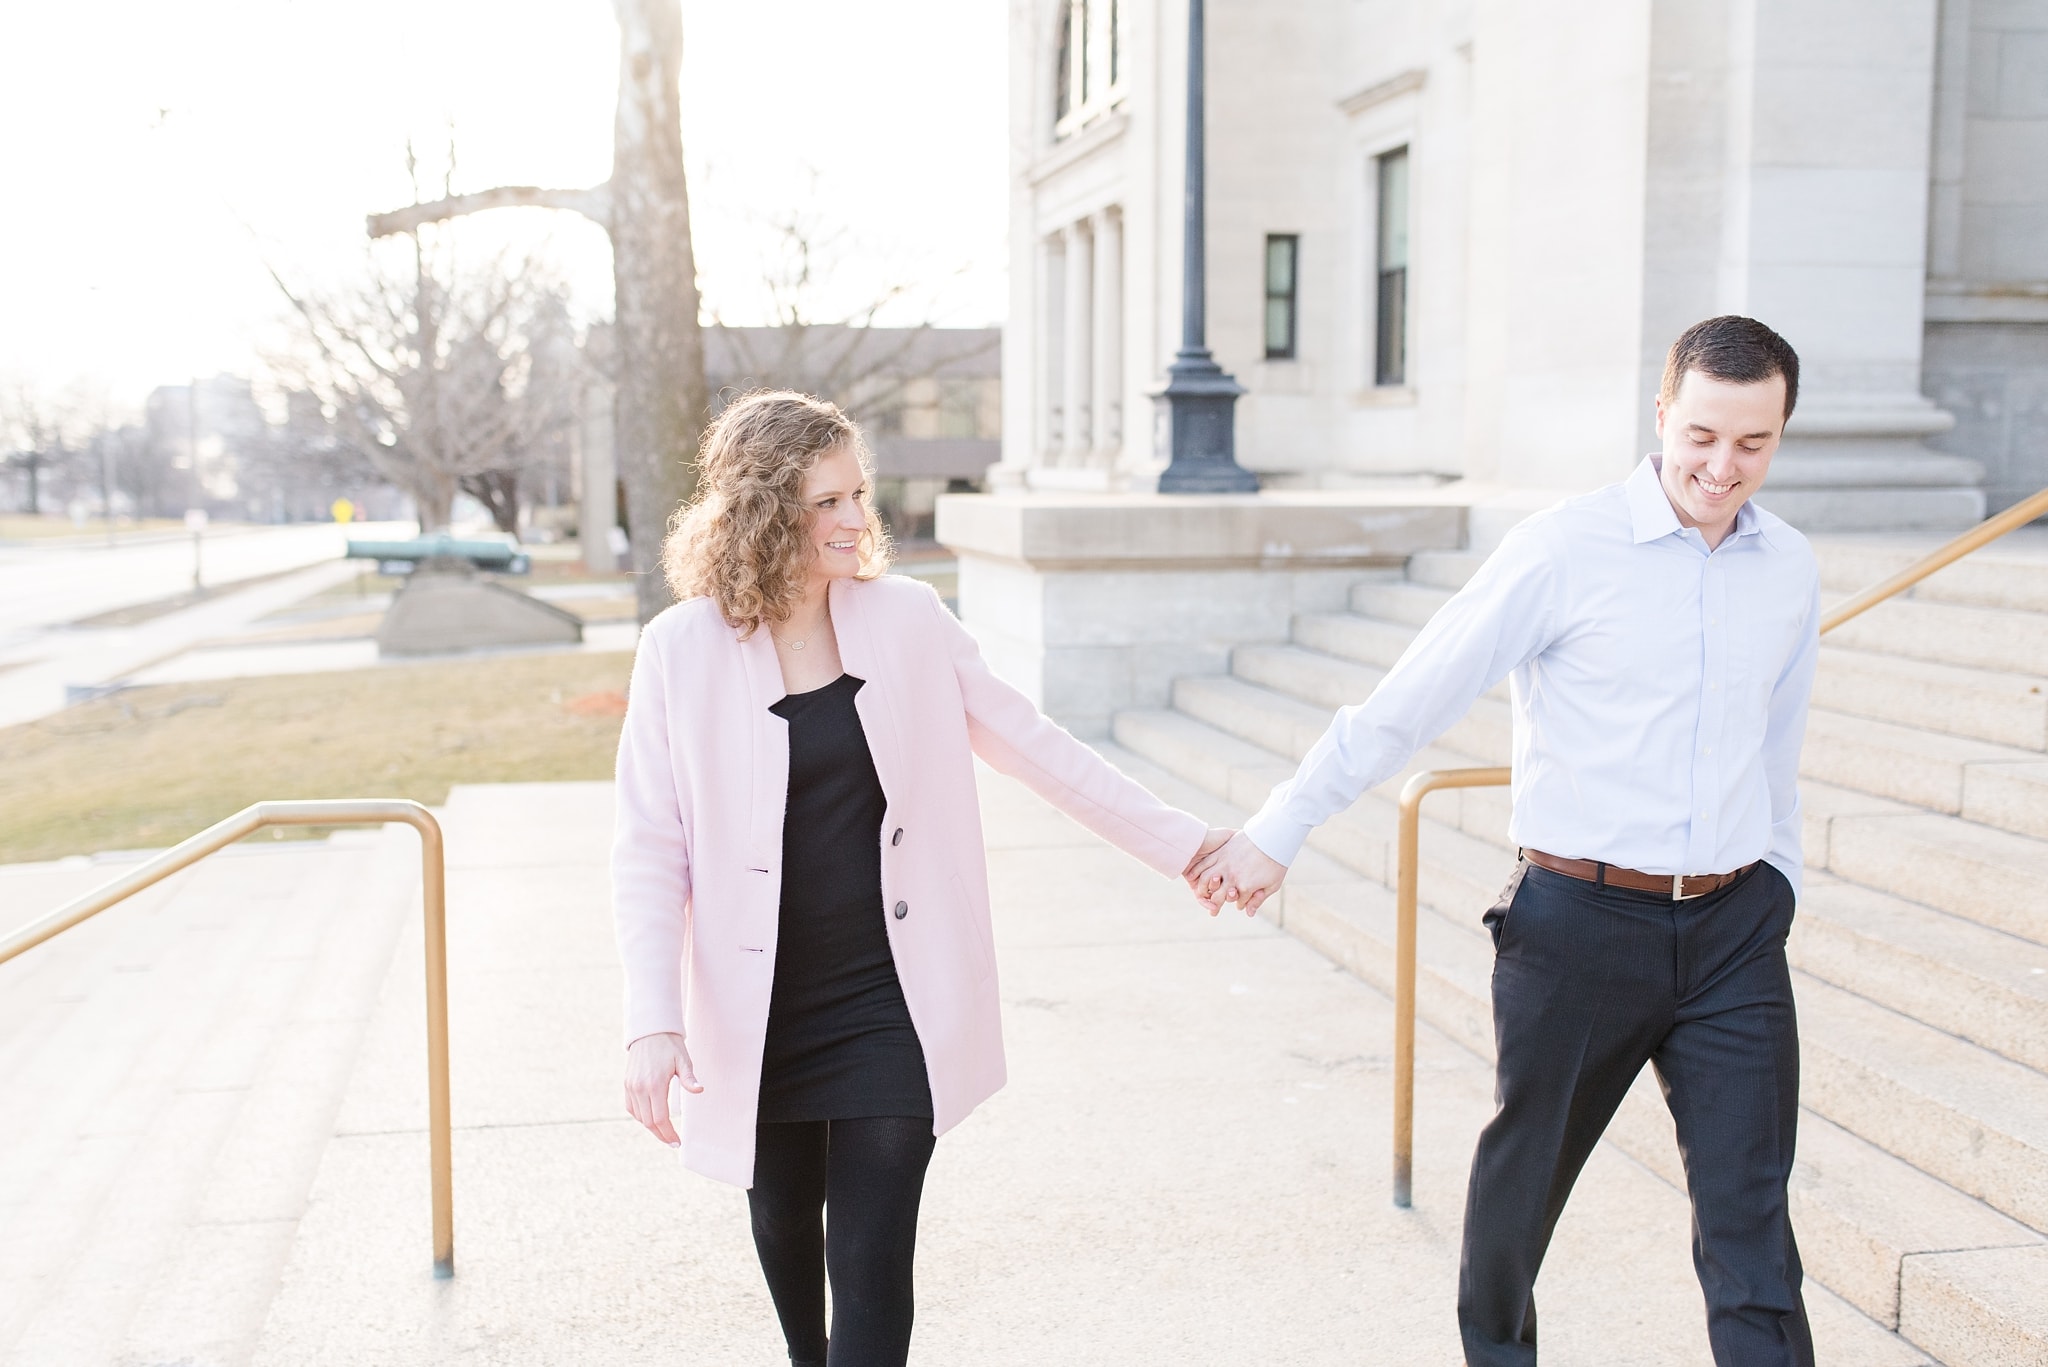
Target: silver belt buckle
1678,892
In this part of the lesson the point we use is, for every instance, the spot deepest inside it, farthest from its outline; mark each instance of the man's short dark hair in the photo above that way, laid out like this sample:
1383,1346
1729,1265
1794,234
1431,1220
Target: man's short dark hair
1735,349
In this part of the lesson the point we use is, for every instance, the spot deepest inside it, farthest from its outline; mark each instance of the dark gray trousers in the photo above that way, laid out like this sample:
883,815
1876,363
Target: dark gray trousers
1589,983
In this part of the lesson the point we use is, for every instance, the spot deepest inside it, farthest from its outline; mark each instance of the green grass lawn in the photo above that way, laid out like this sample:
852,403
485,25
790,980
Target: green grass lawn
146,767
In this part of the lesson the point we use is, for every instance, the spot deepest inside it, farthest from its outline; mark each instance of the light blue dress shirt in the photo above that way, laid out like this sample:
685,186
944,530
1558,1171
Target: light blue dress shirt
1659,689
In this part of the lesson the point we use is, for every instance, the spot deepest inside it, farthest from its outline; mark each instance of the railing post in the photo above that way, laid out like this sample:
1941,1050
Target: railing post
1409,860
434,910
1408,863
440,1138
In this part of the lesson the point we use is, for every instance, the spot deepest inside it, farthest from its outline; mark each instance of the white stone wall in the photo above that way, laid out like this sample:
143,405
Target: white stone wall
1586,180
1987,289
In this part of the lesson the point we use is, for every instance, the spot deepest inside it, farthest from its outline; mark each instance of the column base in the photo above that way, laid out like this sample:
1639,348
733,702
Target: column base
1863,465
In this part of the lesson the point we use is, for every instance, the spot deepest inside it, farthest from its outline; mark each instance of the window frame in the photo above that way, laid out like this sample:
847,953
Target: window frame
1087,64
1395,280
1289,298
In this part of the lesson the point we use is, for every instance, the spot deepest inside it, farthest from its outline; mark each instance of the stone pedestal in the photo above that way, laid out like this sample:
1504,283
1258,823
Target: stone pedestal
1867,468
443,606
1094,604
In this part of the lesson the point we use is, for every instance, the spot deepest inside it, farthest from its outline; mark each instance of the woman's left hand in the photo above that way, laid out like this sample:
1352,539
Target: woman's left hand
1217,837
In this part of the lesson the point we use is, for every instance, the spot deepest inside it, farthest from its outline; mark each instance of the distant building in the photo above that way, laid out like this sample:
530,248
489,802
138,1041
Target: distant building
1453,240
210,429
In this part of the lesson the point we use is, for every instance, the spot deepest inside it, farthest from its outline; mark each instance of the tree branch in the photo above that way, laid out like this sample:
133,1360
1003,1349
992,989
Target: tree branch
594,204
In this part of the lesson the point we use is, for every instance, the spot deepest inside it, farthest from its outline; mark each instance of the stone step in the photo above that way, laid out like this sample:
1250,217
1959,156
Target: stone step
1922,768
1348,636
206,1302
2011,572
2010,709
1399,601
2010,797
1444,569
172,1153
1981,874
1862,1214
106,1134
1980,984
1272,721
1822,805
1955,1111
1329,682
1977,1305
2001,639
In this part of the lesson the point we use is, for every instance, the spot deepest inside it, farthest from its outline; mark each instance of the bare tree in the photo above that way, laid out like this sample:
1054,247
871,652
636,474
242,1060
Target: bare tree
38,433
819,345
659,394
430,374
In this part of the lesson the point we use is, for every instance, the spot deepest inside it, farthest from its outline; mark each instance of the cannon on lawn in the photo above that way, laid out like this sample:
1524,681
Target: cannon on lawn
403,557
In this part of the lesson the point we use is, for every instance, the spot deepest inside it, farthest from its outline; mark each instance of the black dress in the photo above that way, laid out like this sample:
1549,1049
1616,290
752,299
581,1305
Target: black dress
840,1043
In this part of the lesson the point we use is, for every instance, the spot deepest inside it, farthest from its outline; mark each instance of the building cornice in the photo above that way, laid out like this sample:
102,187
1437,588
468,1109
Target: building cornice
1392,88
1079,147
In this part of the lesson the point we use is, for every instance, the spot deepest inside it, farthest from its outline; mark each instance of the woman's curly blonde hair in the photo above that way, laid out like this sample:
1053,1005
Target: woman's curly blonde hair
744,539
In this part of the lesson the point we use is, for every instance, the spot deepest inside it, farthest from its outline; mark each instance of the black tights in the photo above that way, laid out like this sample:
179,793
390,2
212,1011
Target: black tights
869,1175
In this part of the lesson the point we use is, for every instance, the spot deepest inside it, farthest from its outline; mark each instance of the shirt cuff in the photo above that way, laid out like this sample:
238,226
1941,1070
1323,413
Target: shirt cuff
1278,836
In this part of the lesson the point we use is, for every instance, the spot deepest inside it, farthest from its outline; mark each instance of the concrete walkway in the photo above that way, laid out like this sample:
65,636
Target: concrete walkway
1189,1165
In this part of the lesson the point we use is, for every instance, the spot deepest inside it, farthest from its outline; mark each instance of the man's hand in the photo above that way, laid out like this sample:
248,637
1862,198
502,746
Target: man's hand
1212,842
1239,872
651,1061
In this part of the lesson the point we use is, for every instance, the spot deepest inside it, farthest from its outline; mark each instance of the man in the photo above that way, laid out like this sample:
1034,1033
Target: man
1661,636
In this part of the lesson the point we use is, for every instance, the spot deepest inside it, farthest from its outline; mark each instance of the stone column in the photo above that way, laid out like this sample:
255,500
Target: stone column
1047,336
1826,241
1074,406
1108,341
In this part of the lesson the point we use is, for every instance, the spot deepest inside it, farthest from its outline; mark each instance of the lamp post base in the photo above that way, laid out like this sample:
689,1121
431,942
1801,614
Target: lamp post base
1201,400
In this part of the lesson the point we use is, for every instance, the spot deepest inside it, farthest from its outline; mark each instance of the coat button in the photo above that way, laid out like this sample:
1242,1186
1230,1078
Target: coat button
897,839
902,910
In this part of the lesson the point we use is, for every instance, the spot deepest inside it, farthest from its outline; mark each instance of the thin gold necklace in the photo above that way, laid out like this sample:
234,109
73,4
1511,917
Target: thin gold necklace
798,645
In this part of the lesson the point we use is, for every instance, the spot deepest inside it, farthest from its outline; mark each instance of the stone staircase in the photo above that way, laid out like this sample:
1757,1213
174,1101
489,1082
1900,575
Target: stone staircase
1920,951
169,1076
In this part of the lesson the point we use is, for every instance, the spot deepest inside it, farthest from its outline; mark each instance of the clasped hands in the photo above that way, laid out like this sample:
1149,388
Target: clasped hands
1230,868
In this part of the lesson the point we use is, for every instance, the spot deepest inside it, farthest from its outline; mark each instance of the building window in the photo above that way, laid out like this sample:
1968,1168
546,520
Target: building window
1063,66
1087,64
1390,346
1282,276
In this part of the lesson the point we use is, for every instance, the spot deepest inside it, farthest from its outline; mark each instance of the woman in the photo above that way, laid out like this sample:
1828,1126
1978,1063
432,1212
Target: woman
798,876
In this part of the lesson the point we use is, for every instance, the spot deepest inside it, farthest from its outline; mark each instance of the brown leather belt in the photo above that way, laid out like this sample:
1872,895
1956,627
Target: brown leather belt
1678,887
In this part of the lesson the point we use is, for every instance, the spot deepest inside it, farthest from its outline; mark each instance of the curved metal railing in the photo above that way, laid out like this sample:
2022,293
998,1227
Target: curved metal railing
1430,780
434,902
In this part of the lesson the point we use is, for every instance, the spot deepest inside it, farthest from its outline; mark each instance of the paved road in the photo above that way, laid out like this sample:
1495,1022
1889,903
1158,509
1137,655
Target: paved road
43,590
42,587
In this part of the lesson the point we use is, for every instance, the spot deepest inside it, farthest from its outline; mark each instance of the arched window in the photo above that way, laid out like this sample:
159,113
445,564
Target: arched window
1087,63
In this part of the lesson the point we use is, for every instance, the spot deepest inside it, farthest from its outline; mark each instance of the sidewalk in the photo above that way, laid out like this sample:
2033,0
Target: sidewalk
1189,1166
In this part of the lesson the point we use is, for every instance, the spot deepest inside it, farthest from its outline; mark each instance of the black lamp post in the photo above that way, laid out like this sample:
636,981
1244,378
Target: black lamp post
1200,398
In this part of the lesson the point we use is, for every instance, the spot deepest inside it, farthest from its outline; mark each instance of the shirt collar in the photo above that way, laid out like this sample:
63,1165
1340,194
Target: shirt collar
1650,512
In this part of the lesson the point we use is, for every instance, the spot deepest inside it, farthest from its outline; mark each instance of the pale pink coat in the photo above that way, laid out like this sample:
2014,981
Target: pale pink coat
697,855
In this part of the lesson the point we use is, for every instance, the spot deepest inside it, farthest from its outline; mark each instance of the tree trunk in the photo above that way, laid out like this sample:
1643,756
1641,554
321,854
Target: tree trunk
498,491
659,401
434,494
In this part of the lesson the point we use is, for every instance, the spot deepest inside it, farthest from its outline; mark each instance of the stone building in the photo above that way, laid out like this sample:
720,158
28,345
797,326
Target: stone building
1451,239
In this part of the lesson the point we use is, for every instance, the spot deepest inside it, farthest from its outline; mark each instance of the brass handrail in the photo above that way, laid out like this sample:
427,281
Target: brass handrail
434,902
1429,780
1408,865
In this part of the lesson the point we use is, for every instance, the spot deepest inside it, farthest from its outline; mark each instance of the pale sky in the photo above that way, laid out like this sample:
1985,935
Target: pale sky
153,156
